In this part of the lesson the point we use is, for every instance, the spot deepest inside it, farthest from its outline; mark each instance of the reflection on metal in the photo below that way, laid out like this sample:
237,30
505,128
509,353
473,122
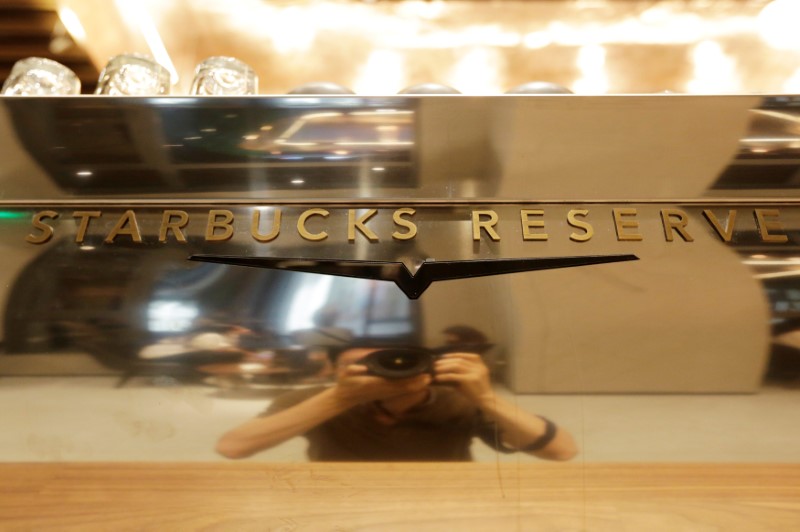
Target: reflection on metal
539,87
413,283
322,87
429,88
105,198
687,208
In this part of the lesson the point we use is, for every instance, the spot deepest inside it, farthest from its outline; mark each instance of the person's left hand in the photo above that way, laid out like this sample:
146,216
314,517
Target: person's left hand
468,372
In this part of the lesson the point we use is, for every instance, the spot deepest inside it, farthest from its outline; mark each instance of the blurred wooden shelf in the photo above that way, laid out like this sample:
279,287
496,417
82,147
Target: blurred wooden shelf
28,28
259,496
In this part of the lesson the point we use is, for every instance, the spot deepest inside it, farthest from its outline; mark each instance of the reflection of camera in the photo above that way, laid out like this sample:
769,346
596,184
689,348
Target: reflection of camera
399,363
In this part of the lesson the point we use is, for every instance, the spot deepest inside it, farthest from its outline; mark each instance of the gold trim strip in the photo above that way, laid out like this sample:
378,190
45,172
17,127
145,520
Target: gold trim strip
214,203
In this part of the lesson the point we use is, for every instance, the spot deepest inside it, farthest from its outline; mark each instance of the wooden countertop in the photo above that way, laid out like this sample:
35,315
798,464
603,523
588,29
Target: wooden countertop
288,497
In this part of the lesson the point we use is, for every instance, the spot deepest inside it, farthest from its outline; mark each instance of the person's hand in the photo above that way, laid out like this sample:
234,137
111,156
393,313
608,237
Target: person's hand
355,386
468,373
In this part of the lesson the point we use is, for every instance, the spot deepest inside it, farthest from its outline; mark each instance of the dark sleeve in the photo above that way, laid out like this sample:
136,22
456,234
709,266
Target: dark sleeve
290,399
490,434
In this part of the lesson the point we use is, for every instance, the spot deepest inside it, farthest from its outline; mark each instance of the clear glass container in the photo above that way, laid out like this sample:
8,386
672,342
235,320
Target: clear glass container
224,76
37,76
133,75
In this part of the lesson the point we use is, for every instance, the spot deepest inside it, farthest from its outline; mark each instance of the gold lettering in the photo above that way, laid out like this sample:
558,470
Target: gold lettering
621,224
214,223
402,222
354,223
126,225
167,225
301,225
486,225
725,233
276,226
580,224
675,220
47,231
765,226
527,224
83,225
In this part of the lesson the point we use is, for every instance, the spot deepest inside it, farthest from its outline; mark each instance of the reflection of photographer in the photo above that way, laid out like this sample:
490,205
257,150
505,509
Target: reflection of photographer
367,417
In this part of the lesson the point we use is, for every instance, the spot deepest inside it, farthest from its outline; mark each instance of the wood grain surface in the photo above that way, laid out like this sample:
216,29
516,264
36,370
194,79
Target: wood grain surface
419,497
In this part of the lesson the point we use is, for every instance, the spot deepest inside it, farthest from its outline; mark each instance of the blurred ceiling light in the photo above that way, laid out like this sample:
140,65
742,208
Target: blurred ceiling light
72,23
428,10
792,85
60,39
475,35
135,13
537,39
777,24
378,143
591,62
317,116
776,275
761,261
714,70
655,15
477,72
491,35
308,297
777,140
591,58
665,26
292,28
777,114
383,73
411,25
291,31
302,121
429,88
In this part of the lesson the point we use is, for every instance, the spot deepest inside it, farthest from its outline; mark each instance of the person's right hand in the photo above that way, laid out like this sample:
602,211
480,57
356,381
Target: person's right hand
355,386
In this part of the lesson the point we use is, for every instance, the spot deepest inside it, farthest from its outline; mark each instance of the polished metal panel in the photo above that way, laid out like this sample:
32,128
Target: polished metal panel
307,148
636,244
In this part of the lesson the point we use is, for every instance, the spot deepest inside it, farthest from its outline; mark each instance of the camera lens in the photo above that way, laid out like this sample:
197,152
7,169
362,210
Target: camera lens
399,363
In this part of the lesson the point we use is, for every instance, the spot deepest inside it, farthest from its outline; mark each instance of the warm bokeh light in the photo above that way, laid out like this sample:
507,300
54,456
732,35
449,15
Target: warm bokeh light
792,85
591,64
714,70
135,13
477,72
382,73
72,23
380,47
778,24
